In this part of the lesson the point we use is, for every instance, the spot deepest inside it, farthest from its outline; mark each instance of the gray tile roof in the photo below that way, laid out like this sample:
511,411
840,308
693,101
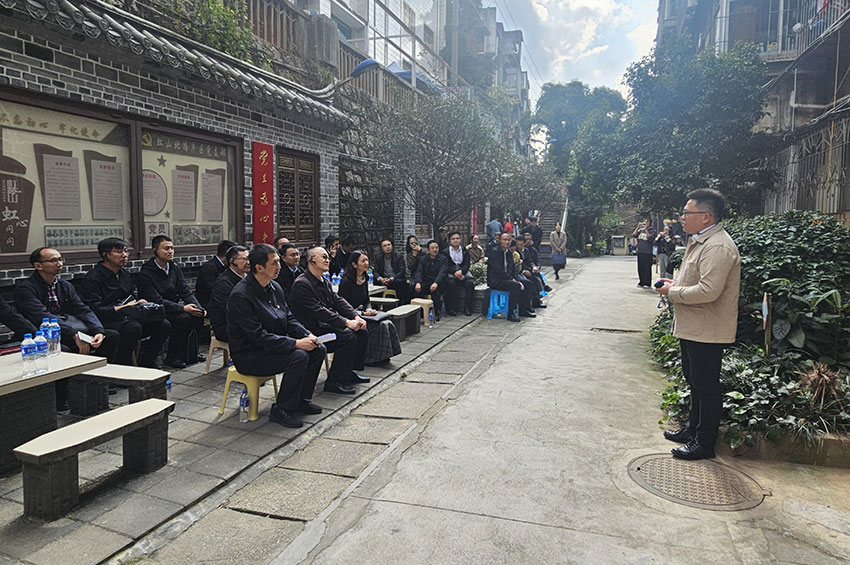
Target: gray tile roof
98,20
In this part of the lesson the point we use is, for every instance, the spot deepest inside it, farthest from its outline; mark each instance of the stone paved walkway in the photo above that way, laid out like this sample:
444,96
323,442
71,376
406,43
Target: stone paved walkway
211,455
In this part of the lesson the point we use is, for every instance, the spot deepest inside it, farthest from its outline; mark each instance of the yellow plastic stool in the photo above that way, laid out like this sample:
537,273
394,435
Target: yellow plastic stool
216,344
426,305
253,386
390,293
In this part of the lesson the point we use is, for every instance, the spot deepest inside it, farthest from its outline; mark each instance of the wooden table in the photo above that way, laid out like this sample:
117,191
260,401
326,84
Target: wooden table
28,404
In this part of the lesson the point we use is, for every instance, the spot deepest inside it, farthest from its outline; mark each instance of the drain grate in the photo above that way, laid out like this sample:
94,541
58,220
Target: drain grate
701,484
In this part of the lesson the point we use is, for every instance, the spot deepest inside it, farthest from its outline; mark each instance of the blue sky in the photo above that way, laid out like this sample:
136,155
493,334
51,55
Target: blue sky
593,41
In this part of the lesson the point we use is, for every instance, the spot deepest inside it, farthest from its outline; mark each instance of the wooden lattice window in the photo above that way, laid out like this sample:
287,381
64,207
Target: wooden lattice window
297,198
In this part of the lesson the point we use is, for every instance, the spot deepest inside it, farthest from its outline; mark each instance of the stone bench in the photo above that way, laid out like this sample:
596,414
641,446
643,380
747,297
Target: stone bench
383,304
88,395
406,319
51,464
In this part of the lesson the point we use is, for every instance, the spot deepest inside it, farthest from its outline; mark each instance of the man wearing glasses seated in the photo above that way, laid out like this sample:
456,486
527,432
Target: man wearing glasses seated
317,306
44,295
108,289
238,267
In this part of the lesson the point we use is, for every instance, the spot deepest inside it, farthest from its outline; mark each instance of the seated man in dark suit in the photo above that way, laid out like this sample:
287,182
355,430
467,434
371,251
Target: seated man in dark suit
430,276
265,339
317,306
457,275
531,269
237,258
534,258
107,289
160,280
390,271
502,275
290,270
210,271
19,325
44,295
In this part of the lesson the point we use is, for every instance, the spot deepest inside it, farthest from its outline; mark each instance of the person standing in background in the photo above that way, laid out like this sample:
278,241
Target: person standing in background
645,236
558,241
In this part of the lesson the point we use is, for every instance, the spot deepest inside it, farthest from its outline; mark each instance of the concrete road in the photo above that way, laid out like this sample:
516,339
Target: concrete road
511,445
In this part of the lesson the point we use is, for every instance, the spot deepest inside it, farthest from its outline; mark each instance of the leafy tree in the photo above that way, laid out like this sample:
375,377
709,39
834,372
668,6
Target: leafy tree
441,152
563,108
525,184
690,125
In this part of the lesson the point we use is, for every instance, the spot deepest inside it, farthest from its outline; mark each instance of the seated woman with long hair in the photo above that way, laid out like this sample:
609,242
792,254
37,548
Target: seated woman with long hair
354,288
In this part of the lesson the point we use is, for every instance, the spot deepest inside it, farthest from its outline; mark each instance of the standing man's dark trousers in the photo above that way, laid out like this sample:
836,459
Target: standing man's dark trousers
182,325
644,261
402,290
701,367
519,298
300,372
349,349
453,287
436,295
130,332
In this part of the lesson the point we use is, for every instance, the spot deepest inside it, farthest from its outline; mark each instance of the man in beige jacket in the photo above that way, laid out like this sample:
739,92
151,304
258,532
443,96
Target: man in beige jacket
705,299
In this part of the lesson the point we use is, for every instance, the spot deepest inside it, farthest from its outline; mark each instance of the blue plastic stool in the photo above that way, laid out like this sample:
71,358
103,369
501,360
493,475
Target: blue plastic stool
543,278
499,301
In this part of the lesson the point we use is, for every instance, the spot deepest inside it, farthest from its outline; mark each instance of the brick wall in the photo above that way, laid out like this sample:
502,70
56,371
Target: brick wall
42,57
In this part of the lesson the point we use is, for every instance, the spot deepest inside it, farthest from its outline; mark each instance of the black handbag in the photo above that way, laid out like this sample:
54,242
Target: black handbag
145,313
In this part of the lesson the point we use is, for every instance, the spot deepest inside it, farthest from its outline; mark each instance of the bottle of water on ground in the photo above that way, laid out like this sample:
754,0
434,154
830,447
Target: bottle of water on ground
244,404
28,356
431,318
40,352
168,388
54,342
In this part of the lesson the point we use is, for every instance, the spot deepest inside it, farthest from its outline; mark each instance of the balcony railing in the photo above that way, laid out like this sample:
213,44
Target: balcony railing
816,17
381,85
273,21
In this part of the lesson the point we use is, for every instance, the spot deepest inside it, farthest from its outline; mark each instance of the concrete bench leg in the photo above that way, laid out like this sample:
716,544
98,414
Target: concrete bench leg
139,393
400,328
146,449
87,396
412,323
51,490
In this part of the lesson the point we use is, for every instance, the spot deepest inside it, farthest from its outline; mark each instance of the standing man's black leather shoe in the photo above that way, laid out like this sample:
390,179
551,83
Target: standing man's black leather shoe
693,451
679,436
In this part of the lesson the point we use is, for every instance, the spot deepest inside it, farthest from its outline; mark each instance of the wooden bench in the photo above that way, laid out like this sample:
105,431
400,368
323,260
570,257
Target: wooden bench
87,391
51,465
406,320
383,304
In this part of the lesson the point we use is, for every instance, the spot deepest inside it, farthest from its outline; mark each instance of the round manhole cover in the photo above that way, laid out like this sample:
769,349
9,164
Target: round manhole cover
701,484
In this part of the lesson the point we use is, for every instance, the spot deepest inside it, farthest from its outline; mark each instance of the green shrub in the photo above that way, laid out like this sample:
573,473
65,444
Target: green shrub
478,272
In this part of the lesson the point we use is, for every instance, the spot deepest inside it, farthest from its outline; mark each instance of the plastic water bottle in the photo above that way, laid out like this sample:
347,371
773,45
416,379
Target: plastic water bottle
44,328
244,404
371,277
28,356
40,352
431,318
54,342
168,388
327,276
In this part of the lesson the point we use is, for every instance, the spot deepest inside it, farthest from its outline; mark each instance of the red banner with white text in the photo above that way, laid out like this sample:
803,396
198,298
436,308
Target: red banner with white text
263,181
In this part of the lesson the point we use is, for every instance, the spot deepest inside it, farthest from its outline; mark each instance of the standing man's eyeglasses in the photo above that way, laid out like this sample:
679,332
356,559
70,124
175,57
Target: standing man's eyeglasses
686,212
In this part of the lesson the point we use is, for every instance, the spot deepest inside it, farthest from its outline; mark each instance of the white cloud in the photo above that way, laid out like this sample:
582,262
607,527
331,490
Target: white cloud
589,40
